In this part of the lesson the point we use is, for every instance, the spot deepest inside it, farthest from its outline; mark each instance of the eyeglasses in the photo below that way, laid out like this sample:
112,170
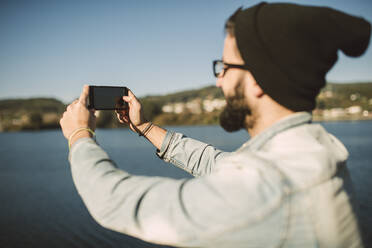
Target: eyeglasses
220,67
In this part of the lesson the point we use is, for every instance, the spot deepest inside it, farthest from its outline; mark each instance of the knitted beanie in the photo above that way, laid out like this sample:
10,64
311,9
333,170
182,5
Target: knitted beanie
289,48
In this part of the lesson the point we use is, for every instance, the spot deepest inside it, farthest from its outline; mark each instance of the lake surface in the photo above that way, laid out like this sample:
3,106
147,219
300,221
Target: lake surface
39,205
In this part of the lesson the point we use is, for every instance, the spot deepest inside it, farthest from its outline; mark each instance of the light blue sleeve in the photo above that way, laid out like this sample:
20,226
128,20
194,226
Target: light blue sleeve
193,156
197,212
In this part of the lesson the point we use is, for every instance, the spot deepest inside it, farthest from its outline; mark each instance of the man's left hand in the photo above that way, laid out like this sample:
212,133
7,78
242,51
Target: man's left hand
77,116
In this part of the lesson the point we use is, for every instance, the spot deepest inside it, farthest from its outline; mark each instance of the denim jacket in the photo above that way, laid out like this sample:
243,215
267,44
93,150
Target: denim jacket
286,187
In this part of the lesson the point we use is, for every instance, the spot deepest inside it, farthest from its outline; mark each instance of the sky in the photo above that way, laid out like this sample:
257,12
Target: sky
52,48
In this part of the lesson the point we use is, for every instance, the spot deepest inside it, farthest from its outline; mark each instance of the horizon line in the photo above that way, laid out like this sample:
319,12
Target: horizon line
150,95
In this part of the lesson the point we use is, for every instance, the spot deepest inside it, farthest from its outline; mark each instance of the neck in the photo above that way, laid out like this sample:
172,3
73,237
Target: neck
261,120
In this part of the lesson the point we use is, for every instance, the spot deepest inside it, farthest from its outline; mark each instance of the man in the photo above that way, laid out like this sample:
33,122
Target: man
288,186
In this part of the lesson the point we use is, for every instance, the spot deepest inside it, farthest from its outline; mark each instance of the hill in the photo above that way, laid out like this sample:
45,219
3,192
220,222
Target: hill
30,114
191,107
199,106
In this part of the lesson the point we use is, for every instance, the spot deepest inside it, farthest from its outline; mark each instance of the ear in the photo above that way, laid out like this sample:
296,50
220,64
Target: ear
253,87
257,90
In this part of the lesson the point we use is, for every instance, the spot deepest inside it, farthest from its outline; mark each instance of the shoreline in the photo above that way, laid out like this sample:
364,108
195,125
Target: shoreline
315,118
318,118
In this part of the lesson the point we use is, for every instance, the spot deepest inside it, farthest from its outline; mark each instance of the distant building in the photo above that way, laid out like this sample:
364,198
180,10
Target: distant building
178,107
213,104
334,112
194,106
173,108
354,110
167,108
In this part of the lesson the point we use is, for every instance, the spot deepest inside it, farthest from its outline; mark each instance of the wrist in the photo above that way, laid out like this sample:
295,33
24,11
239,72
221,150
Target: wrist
82,132
141,127
79,135
144,128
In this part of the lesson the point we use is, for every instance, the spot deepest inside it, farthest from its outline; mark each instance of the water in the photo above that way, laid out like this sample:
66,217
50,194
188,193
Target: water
39,206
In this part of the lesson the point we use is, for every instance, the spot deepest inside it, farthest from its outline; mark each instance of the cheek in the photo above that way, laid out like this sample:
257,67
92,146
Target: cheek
226,89
229,84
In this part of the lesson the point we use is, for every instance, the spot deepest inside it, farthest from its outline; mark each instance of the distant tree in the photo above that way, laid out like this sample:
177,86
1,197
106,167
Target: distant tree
151,108
106,119
321,104
36,120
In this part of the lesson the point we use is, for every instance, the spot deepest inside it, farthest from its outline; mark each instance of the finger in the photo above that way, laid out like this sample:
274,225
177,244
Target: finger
127,99
84,95
131,99
130,94
61,122
120,118
121,111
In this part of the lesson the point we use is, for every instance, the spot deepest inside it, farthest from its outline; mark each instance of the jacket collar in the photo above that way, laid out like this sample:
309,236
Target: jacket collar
287,122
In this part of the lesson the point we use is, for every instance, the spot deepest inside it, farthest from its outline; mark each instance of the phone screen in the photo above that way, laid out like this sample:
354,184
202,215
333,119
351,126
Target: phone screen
107,97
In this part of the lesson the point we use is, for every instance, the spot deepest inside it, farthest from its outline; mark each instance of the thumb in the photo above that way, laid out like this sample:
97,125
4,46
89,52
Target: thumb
84,95
131,98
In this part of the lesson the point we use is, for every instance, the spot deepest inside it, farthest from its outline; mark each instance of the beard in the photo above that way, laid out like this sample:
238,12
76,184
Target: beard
233,116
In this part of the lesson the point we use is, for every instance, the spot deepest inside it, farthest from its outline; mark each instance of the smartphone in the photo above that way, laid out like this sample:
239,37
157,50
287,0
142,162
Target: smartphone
107,97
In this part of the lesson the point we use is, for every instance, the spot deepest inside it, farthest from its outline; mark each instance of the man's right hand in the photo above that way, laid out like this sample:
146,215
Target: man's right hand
133,116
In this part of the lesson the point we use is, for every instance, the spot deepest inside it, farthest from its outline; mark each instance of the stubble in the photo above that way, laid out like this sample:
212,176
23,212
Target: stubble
236,115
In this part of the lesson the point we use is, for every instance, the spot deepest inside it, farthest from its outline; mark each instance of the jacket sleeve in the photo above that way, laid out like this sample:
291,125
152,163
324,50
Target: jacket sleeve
183,212
193,156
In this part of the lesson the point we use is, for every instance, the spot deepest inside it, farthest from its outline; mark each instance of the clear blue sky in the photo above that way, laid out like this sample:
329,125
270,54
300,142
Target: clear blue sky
51,48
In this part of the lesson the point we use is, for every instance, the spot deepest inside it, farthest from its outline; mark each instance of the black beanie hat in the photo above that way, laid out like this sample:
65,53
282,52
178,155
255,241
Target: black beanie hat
289,48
